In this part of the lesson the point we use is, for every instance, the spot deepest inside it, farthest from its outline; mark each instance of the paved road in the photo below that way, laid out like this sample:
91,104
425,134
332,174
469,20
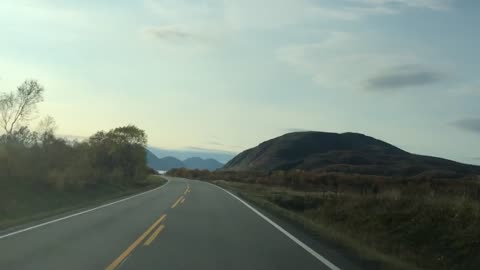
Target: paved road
183,225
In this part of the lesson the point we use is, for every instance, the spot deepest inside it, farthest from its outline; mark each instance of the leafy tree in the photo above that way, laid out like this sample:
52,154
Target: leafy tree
24,136
129,134
47,125
18,107
120,152
116,157
46,130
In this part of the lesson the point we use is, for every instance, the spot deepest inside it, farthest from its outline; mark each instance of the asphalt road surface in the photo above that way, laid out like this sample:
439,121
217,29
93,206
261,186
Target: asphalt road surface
184,224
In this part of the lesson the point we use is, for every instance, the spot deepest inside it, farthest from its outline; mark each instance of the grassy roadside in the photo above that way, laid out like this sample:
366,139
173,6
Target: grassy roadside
23,203
398,222
260,196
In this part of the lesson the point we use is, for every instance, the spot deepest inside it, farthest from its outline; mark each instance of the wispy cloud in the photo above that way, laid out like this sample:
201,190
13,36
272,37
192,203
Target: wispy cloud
291,130
49,12
404,77
472,89
342,60
169,32
360,9
220,145
428,4
270,14
204,149
469,124
214,143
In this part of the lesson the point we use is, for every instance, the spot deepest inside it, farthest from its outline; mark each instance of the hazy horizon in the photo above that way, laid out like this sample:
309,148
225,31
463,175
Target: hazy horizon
185,153
226,75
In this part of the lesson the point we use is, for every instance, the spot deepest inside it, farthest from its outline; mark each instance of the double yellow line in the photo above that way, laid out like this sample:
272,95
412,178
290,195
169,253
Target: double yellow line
178,201
187,190
154,235
181,199
159,228
137,242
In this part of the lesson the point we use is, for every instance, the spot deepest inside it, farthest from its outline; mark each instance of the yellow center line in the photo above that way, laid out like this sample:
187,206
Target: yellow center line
154,235
137,242
178,201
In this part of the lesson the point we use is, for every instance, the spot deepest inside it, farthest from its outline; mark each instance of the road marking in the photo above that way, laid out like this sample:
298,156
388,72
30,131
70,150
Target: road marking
177,202
154,235
137,242
282,230
80,213
182,200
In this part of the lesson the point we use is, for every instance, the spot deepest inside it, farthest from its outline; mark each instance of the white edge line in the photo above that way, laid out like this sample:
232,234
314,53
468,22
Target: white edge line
282,230
80,213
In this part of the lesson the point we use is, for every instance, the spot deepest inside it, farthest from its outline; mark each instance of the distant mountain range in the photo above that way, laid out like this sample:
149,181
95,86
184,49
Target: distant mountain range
182,154
168,163
346,152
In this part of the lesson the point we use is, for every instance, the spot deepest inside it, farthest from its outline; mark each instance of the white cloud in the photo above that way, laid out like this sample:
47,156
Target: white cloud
279,13
35,12
469,89
404,77
344,61
429,4
169,32
266,14
185,11
56,22
222,17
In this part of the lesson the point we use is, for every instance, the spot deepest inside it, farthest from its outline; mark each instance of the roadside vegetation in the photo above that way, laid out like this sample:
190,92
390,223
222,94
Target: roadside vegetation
42,174
398,222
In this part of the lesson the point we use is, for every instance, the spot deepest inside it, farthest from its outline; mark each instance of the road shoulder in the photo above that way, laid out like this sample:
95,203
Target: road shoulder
76,209
338,253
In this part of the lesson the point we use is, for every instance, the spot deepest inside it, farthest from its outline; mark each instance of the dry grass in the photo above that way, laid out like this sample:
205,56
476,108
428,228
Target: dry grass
397,231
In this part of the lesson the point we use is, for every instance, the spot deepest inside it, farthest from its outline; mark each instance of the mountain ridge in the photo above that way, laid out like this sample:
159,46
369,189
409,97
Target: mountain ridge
168,163
345,152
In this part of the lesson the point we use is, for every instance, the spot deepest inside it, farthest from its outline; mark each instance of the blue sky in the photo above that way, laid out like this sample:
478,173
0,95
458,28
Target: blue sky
229,74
